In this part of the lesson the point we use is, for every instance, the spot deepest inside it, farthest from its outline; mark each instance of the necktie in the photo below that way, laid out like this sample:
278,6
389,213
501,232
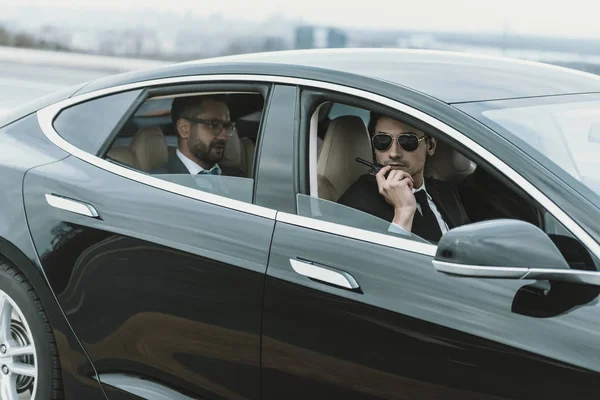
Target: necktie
426,225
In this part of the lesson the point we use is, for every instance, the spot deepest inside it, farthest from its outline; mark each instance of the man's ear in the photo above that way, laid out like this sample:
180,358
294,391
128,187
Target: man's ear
183,128
431,145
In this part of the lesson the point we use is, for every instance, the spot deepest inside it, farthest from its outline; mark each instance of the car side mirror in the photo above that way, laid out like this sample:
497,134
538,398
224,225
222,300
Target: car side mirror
506,249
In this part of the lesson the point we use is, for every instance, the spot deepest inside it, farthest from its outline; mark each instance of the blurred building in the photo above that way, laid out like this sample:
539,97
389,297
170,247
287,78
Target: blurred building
336,38
305,37
311,37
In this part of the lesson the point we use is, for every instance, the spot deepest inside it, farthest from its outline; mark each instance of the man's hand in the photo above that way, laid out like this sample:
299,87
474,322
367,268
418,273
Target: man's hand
397,191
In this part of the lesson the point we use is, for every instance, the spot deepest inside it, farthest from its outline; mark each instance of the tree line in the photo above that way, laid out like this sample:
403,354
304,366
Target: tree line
25,40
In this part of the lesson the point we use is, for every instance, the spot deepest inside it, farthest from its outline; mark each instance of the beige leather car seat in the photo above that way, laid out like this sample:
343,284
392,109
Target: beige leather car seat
346,138
232,156
247,148
123,155
447,164
150,148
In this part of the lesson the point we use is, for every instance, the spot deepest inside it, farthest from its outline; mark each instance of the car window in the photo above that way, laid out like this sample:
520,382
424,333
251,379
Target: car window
560,130
476,192
87,125
340,140
203,141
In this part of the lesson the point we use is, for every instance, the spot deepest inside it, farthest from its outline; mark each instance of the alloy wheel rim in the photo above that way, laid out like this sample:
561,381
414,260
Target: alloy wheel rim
18,366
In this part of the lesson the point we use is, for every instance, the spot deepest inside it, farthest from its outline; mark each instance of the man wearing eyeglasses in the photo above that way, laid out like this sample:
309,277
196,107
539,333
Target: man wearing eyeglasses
399,192
203,128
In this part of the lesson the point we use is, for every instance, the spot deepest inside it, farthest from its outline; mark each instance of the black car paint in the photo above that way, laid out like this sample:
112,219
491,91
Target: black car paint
275,170
175,285
411,332
29,148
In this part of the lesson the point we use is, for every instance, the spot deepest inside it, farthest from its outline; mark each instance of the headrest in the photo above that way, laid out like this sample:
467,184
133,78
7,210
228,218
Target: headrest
346,138
150,147
125,156
447,164
232,156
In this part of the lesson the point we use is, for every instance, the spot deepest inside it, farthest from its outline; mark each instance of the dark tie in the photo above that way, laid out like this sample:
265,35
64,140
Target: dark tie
426,225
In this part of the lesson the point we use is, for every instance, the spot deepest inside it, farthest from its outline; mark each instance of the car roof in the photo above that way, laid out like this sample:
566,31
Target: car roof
451,77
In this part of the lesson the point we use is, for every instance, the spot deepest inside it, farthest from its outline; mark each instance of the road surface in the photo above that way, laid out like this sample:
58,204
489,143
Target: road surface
21,83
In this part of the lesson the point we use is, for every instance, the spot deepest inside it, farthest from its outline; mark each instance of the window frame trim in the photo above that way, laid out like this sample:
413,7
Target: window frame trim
46,116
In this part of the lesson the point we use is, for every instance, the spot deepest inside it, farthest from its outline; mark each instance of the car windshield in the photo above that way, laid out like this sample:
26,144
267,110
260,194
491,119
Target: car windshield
564,130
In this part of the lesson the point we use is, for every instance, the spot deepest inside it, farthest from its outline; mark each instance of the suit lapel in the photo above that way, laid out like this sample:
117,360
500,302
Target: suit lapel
176,166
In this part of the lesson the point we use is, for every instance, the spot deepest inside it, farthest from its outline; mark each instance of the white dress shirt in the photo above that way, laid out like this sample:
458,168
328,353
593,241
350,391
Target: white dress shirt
191,166
443,226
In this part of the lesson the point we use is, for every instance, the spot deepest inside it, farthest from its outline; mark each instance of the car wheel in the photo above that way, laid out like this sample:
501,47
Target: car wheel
29,364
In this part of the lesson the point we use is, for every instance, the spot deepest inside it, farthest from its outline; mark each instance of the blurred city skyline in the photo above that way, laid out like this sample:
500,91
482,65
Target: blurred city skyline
576,18
185,30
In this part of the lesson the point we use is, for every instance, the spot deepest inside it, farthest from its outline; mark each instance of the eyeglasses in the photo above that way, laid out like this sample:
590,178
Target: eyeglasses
217,127
408,141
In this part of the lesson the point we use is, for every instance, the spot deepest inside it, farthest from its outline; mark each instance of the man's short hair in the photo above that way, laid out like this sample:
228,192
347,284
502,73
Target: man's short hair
373,118
191,106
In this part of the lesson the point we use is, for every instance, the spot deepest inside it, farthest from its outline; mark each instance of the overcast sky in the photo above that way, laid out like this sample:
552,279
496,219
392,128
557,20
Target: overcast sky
550,17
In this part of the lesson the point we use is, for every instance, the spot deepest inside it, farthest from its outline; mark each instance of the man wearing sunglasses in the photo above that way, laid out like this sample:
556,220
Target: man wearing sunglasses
203,128
399,192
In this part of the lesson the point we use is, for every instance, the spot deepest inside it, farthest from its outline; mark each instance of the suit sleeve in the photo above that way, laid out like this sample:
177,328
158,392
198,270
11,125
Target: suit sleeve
357,197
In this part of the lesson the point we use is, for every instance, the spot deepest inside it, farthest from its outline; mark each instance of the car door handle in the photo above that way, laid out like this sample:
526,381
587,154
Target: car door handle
324,274
77,207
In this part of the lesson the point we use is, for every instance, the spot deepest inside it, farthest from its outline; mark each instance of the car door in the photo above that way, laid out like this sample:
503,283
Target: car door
353,312
162,282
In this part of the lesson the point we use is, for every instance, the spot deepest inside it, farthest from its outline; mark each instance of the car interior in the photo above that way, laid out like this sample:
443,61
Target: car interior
147,140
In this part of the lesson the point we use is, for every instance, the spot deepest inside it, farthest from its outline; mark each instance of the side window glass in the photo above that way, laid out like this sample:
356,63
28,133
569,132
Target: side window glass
88,125
201,141
328,211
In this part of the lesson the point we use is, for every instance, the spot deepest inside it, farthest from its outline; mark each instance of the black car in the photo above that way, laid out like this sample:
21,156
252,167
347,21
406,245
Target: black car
117,282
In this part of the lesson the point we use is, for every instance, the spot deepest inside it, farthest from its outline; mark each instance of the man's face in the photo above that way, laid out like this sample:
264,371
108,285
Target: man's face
206,143
412,162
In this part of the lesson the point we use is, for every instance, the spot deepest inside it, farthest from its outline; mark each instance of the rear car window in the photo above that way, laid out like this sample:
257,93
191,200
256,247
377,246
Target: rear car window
87,125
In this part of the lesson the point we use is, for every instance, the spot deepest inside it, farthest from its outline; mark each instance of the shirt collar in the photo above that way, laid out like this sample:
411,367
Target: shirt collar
422,187
191,166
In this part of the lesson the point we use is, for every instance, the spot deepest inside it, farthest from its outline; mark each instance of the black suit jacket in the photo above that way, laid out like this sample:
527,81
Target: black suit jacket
176,166
364,195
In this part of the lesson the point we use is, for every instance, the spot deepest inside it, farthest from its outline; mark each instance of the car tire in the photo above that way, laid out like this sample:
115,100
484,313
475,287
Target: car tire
38,369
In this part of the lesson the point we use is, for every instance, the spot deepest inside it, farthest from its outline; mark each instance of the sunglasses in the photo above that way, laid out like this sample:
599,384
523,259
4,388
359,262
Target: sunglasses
408,141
